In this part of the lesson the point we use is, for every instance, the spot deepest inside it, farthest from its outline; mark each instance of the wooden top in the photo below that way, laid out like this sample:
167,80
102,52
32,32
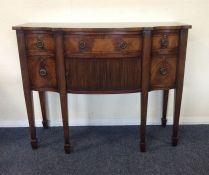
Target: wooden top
133,26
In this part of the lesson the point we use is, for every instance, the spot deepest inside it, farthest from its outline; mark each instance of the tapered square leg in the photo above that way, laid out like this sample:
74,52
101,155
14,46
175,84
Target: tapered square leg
45,124
175,141
30,111
143,147
42,97
145,87
34,143
64,108
144,101
28,94
179,84
178,97
163,122
67,148
165,105
62,88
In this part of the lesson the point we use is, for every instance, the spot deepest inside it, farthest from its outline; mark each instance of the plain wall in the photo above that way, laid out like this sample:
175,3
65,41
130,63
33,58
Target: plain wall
121,109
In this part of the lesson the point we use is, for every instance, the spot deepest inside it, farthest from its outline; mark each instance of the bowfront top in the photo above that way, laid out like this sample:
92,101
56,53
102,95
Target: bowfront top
102,26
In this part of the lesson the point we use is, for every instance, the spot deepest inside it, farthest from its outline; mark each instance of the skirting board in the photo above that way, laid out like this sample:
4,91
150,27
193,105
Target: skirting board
110,122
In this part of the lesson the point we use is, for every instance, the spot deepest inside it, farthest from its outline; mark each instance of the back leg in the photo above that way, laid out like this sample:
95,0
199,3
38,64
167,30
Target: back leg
165,105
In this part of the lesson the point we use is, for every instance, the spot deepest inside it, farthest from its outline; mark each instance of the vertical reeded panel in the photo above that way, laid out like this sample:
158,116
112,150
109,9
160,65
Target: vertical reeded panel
118,74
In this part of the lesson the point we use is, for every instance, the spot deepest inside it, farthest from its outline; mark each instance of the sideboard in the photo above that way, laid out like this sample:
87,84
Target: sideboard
102,58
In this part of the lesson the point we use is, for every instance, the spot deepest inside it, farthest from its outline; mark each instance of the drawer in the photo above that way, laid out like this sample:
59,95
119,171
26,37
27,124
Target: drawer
42,72
104,43
162,41
163,72
40,42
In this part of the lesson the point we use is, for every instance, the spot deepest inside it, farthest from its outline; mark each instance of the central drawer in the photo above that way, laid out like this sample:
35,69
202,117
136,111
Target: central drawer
98,44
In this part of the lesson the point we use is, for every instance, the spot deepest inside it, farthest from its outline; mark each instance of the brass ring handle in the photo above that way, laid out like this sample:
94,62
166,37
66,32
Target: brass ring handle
82,44
163,71
42,72
164,42
123,45
40,44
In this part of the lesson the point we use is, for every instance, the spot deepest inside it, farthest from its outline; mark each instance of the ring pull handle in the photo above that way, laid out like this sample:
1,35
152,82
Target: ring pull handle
82,44
164,41
163,71
40,44
43,72
123,45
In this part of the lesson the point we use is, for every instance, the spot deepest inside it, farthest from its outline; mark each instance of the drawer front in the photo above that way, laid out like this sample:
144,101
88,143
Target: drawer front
163,72
99,44
165,41
40,42
42,72
97,75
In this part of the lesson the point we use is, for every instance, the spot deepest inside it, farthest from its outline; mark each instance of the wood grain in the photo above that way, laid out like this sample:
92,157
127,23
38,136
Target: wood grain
102,44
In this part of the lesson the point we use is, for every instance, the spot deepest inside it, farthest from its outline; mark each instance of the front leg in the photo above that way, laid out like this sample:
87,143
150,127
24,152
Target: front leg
62,87
179,84
145,85
144,101
64,109
28,94
30,111
178,97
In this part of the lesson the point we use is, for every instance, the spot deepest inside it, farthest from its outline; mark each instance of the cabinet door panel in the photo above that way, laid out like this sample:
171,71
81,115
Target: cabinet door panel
42,72
163,72
97,75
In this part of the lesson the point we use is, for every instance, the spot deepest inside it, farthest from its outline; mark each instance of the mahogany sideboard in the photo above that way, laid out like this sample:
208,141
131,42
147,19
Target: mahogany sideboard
102,58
